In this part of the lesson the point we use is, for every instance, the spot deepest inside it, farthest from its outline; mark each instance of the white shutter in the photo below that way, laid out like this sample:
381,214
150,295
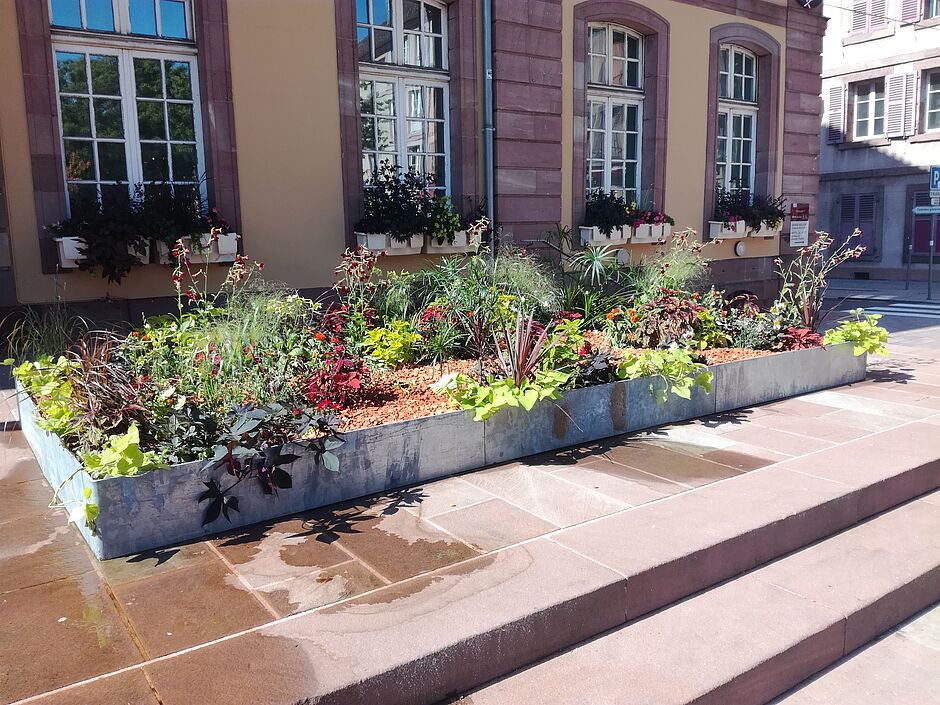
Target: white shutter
860,15
910,11
835,132
910,104
894,110
877,14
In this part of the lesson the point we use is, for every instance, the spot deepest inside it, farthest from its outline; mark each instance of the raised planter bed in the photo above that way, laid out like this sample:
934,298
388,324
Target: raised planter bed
160,508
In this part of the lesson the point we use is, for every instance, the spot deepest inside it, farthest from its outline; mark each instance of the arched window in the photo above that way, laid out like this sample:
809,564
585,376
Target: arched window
736,137
614,115
403,86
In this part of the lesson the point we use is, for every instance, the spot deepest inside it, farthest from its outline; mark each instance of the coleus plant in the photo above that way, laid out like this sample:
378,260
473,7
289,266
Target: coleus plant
254,447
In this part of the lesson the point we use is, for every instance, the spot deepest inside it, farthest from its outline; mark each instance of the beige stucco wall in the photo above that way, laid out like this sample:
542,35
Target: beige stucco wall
689,32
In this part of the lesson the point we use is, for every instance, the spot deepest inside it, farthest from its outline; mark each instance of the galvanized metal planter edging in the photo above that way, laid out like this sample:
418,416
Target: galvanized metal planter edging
159,508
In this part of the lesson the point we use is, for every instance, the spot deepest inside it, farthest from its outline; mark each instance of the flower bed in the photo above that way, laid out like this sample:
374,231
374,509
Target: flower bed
252,402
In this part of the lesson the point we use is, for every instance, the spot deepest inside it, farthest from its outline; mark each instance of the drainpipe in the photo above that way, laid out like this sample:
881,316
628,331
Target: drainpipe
488,128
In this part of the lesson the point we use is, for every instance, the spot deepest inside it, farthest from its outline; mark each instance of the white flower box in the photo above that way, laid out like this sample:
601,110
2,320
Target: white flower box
70,255
764,232
383,242
203,250
460,244
593,237
649,233
718,231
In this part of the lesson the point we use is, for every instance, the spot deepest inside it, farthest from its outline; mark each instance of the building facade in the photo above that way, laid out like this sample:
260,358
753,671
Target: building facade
277,110
881,84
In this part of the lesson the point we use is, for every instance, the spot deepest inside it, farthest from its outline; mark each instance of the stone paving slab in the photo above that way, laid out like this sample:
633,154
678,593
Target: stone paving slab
899,669
239,588
748,640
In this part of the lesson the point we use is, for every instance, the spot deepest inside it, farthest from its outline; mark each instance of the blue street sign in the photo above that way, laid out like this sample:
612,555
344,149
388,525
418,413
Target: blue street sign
935,178
926,210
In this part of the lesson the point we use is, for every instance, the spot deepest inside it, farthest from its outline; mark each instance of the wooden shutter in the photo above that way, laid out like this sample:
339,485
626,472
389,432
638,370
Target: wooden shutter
847,211
835,133
865,221
910,104
860,15
910,11
895,105
877,14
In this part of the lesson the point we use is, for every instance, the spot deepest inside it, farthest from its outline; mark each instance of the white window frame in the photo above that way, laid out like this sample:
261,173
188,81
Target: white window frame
122,22
126,54
731,113
609,58
928,92
737,108
731,75
400,81
871,101
397,28
609,99
609,94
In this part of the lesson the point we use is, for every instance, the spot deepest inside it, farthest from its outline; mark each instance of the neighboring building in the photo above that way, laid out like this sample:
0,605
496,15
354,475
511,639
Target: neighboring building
284,104
881,83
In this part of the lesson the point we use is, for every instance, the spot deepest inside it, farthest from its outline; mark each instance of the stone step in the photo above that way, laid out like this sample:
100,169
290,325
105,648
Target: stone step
901,668
424,639
755,637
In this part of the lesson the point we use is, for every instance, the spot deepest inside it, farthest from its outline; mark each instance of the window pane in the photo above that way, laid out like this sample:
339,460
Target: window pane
933,121
109,120
598,69
633,47
724,60
150,120
597,115
173,19
933,103
434,167
616,176
435,103
618,70
433,49
861,110
368,167
105,79
364,39
411,14
598,148
633,115
148,78
383,45
366,98
381,13
385,135
879,127
179,82
617,145
156,166
72,76
185,164
67,13
112,163
414,102
619,40
432,19
384,98
618,117
631,147
435,138
79,161
722,124
75,119
721,149
362,11
413,49
368,133
82,197
414,138
180,117
633,75
599,40
99,14
143,17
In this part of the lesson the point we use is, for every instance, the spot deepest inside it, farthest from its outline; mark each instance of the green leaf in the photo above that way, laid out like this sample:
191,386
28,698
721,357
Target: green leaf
330,462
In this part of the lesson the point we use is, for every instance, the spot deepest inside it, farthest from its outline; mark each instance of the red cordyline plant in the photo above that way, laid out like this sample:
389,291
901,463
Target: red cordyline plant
803,279
520,353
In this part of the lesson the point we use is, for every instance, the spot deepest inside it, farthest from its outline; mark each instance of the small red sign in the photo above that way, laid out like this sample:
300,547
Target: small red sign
799,211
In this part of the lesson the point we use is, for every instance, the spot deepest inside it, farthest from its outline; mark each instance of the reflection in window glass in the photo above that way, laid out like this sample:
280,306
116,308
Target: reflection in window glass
99,15
933,101
143,15
173,19
67,13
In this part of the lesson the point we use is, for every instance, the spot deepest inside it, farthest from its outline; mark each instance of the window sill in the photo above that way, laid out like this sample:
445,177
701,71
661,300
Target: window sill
868,36
864,144
925,137
928,23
